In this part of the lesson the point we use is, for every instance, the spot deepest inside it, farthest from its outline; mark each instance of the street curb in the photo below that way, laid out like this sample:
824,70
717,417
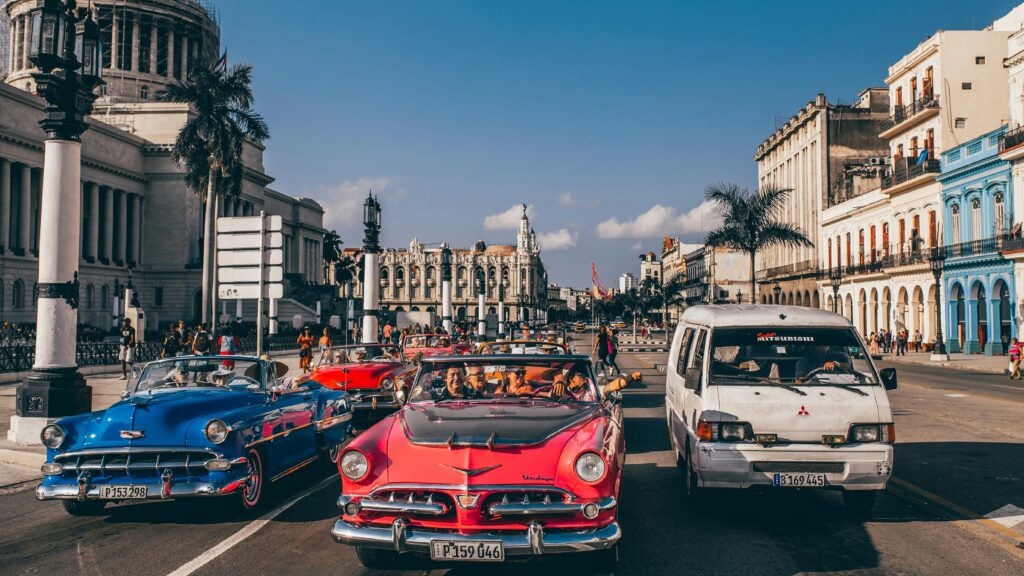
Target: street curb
22,458
952,365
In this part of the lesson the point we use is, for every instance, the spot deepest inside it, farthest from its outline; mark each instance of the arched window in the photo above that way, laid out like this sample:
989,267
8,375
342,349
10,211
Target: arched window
954,223
89,297
975,219
998,214
144,92
18,295
104,298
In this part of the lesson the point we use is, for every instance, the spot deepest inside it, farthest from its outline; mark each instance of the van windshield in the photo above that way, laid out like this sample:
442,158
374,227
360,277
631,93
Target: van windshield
787,356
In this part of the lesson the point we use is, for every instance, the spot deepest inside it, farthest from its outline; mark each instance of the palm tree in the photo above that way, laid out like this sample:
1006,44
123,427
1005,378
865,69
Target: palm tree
209,145
331,250
750,222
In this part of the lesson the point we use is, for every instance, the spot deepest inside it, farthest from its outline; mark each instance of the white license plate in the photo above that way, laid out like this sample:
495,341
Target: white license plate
801,480
123,492
471,550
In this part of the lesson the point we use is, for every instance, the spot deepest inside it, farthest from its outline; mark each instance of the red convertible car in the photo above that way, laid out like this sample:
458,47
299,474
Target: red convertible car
432,345
370,373
491,458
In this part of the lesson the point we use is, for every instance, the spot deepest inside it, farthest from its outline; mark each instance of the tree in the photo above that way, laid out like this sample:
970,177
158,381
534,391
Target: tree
750,222
209,145
331,250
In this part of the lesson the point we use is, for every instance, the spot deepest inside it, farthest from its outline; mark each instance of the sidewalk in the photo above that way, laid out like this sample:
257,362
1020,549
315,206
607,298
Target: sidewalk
966,362
20,463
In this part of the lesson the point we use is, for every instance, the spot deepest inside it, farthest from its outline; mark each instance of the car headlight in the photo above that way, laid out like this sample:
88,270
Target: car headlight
354,465
590,467
860,433
387,384
52,436
217,431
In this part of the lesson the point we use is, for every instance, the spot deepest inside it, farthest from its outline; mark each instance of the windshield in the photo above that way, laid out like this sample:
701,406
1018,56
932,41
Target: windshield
204,372
427,341
523,347
488,379
354,354
806,356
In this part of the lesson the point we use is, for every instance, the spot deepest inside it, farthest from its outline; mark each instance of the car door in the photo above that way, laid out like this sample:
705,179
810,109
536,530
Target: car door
295,433
694,382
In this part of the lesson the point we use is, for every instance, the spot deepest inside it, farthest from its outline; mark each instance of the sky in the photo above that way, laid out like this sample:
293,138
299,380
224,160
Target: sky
607,118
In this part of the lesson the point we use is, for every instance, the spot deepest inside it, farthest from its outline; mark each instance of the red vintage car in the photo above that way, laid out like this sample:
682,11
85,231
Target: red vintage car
371,373
492,458
432,345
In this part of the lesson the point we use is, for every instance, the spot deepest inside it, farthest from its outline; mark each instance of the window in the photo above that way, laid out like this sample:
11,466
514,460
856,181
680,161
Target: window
979,59
89,297
697,358
144,92
932,229
899,96
158,296
954,222
18,295
684,351
960,123
973,148
829,252
975,219
953,156
998,214
913,147
965,86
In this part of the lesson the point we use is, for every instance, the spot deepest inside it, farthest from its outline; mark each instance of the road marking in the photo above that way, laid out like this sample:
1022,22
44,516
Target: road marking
253,527
957,395
1008,515
967,518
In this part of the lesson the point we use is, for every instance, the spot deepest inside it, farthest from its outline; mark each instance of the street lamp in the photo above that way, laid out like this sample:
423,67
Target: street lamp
836,279
446,287
739,296
502,287
55,388
371,268
776,290
481,319
938,264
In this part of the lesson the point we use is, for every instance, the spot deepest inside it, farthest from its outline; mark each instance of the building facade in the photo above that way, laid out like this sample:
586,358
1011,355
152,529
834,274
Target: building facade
1011,147
825,153
716,275
628,282
137,213
978,281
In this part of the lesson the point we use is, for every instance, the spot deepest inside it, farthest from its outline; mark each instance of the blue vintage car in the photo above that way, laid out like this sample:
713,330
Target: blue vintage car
194,426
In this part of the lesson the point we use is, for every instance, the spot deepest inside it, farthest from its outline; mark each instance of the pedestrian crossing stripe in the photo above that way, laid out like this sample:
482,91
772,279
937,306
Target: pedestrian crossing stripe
1009,516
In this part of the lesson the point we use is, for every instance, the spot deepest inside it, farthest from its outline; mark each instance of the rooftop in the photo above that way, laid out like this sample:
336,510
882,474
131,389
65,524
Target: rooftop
721,315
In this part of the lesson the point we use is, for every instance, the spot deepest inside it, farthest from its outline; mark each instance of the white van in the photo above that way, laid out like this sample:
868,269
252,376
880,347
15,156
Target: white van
778,396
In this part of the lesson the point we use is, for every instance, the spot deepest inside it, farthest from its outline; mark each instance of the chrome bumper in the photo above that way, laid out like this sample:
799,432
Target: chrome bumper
368,405
532,542
157,488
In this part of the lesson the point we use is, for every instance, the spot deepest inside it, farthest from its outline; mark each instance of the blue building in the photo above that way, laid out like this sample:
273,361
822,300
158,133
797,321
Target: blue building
978,284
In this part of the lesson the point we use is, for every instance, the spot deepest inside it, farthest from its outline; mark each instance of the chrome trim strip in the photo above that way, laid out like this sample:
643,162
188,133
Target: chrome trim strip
134,450
395,506
474,488
541,509
295,468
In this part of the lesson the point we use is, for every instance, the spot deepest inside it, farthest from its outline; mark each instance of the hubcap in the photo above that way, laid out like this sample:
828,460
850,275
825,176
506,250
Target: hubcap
252,482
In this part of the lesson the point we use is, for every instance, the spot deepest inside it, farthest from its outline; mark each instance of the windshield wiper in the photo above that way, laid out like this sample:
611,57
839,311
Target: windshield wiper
762,382
843,386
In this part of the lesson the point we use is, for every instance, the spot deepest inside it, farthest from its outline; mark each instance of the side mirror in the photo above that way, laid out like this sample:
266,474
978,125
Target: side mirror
613,398
692,379
400,396
888,376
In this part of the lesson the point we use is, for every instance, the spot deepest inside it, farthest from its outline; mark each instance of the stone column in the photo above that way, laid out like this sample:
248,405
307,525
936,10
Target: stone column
108,224
122,227
135,42
139,223
5,205
115,45
133,243
184,57
371,296
11,63
154,30
94,221
25,38
25,226
170,52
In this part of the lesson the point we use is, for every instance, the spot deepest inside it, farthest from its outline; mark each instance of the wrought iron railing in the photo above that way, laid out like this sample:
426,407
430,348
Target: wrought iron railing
906,169
1011,138
904,113
788,270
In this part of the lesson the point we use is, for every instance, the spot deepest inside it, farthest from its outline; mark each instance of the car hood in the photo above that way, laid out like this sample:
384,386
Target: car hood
365,375
527,444
163,418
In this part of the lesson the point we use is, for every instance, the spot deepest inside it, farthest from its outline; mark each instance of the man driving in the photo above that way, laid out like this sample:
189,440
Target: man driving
517,383
221,377
821,359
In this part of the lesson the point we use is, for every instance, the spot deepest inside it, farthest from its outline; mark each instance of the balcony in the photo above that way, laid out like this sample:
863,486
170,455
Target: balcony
788,270
908,173
977,248
904,117
1010,144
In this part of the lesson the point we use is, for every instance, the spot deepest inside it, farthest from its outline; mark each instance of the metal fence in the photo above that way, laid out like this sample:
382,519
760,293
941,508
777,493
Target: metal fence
21,358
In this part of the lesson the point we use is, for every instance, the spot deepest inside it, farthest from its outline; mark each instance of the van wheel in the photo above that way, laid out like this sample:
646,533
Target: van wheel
83,507
694,493
375,557
860,502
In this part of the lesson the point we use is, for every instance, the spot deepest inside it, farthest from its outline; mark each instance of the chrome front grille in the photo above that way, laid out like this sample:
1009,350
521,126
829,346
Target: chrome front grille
797,467
406,501
135,462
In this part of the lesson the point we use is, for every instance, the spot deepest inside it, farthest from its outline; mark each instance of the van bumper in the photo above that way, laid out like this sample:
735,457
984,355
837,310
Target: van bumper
853,467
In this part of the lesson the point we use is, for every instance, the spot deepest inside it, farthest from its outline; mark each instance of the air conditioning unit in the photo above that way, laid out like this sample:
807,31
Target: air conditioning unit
876,161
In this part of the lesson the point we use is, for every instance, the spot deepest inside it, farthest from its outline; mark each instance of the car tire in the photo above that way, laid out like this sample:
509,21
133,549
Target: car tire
375,557
254,490
694,493
860,502
603,561
83,507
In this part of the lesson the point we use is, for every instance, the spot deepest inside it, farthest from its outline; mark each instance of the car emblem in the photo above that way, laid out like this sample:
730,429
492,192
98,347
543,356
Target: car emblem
467,501
470,472
803,411
132,434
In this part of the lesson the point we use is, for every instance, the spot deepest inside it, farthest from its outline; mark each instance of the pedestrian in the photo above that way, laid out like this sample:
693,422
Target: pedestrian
126,348
917,341
1005,338
184,339
228,345
324,345
305,342
171,344
613,350
1014,350
201,342
601,346
388,329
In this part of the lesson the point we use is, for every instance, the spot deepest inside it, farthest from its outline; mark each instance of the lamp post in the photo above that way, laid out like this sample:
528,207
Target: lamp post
739,296
371,268
938,264
64,45
502,287
776,290
481,319
446,287
836,279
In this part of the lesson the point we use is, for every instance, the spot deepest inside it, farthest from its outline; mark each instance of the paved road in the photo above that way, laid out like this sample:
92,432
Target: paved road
958,458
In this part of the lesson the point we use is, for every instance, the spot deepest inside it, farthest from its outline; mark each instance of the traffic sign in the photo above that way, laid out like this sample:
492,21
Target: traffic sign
248,224
272,257
249,291
249,241
237,275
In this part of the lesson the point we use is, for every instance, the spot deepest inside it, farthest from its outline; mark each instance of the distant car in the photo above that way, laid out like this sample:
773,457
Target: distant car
193,427
523,347
432,345
618,324
579,327
518,467
371,373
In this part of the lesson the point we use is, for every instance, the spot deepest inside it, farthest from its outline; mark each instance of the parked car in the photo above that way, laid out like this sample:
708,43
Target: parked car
522,347
193,427
432,345
371,373
778,396
516,467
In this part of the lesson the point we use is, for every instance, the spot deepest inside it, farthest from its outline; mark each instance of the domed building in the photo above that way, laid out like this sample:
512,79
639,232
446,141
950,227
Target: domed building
138,214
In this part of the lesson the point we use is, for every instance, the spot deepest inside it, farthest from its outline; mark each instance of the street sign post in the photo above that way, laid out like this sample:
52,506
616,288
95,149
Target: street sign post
250,260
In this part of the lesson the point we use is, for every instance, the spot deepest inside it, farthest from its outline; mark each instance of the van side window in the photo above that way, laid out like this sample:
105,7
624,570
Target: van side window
684,351
697,358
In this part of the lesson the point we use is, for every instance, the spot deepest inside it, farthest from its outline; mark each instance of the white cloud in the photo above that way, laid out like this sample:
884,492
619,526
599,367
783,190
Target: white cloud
567,200
661,221
637,246
509,219
561,239
343,203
